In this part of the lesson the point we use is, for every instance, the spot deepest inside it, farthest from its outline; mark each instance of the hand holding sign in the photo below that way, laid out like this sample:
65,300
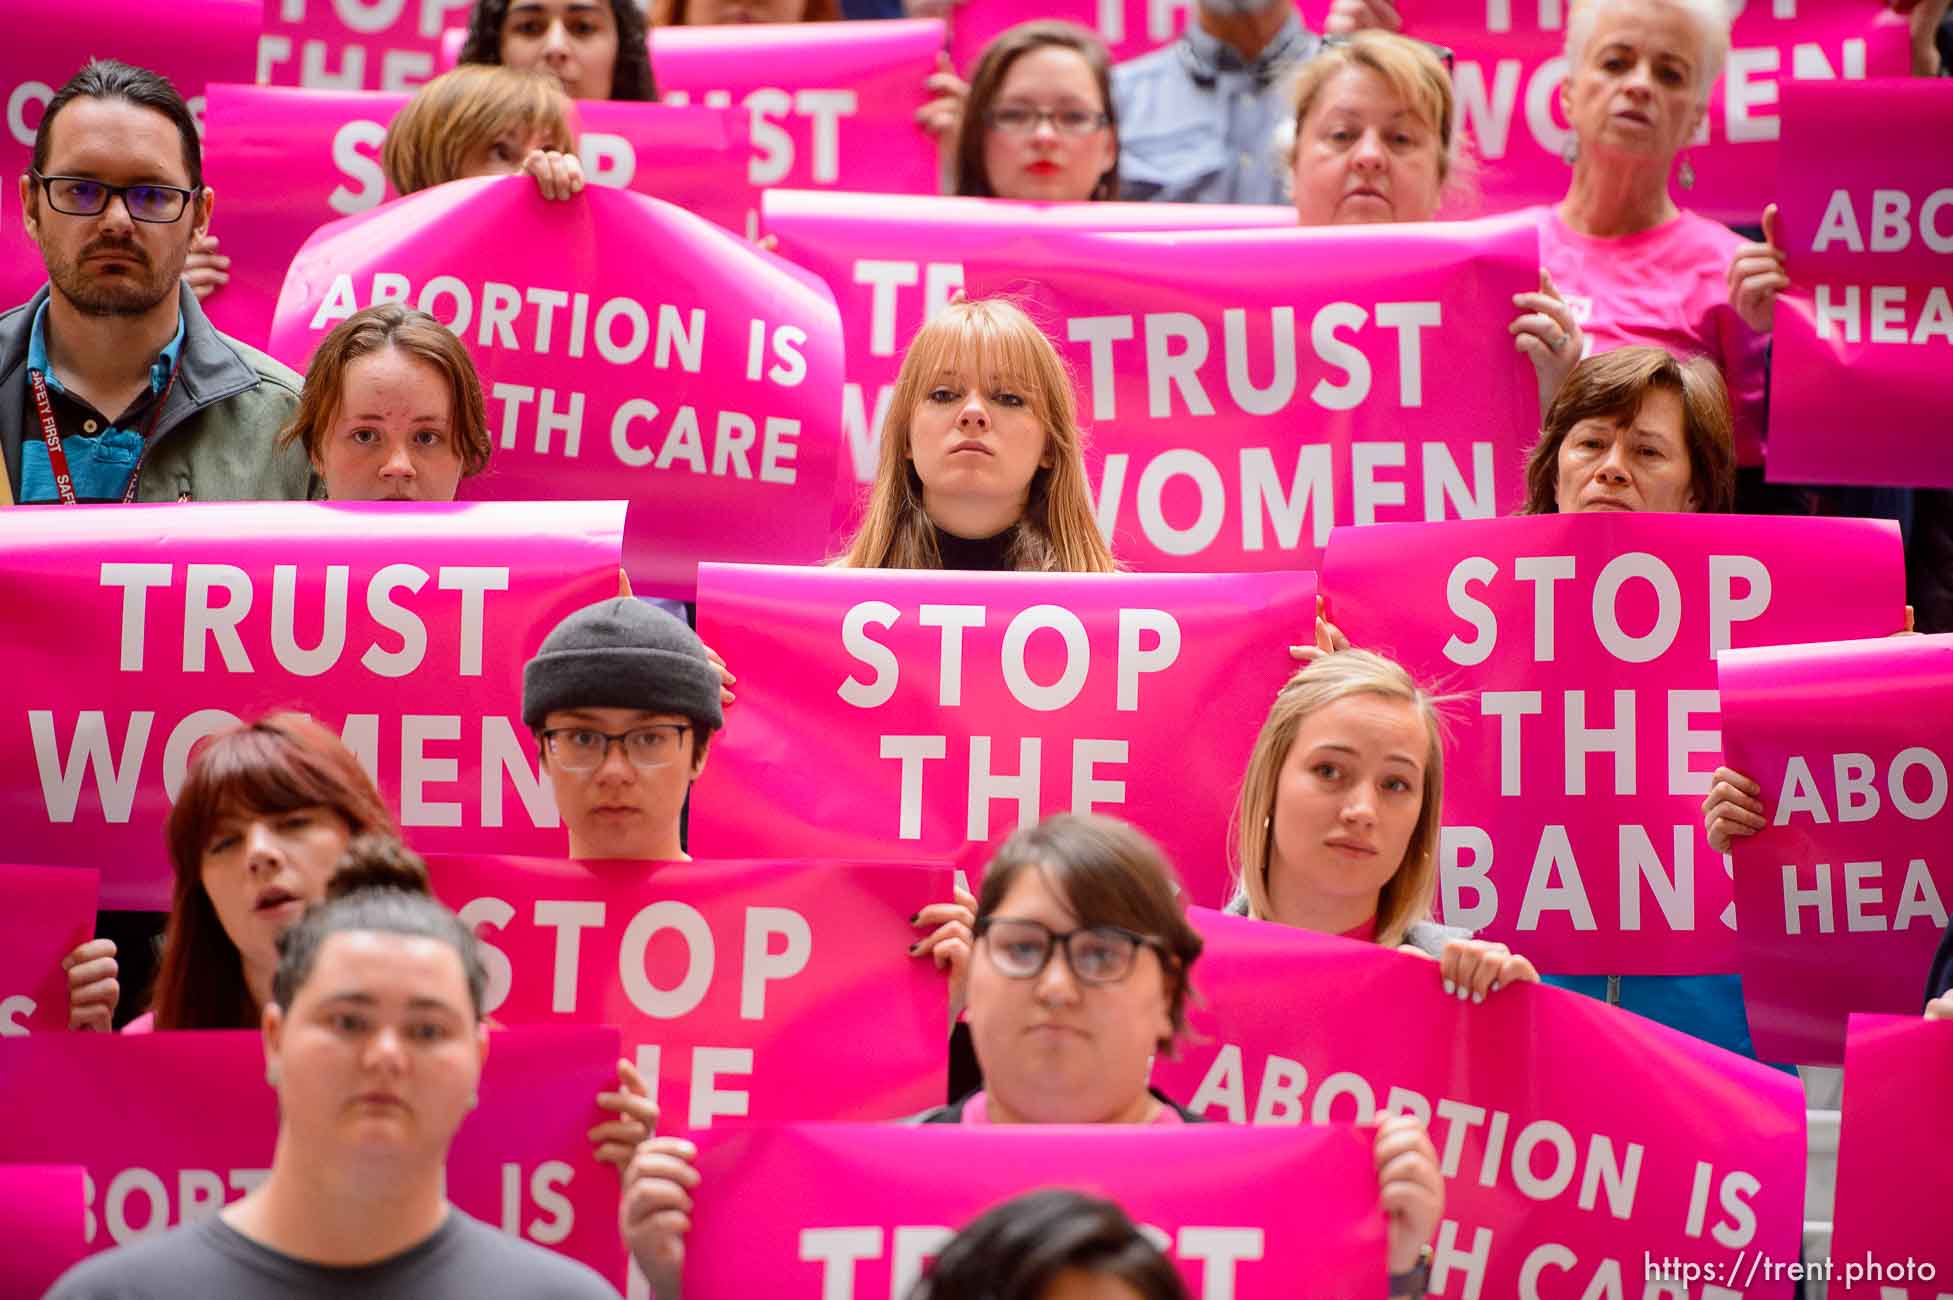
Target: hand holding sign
92,987
1756,275
656,1211
1734,808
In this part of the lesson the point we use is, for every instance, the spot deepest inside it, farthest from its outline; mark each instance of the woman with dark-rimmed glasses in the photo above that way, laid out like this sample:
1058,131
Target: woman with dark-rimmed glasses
1079,978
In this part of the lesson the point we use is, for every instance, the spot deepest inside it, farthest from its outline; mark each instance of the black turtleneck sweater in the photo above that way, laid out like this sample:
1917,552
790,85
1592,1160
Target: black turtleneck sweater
984,555
980,554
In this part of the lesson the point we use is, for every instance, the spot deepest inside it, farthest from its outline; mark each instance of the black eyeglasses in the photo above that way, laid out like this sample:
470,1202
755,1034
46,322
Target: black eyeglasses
83,196
1099,954
583,749
1444,52
1022,119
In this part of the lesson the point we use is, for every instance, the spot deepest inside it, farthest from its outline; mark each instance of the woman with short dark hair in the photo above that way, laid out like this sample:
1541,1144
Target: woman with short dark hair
392,409
1635,429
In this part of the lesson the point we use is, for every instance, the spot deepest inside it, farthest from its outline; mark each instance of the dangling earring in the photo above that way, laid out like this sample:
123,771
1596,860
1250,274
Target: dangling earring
271,1075
1570,151
1685,174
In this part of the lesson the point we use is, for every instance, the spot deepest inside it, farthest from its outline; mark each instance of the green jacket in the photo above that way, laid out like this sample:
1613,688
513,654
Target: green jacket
216,439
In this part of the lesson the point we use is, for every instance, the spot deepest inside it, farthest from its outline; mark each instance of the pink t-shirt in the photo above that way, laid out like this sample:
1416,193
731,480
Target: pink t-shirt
977,1111
1365,932
1667,287
142,1024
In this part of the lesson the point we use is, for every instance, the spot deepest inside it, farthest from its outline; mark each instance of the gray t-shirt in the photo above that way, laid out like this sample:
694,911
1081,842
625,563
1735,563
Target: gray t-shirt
464,1260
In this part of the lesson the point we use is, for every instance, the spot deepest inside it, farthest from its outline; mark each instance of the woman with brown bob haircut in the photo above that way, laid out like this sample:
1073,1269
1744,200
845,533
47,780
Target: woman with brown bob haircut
1034,73
982,465
483,120
1635,429
265,812
391,409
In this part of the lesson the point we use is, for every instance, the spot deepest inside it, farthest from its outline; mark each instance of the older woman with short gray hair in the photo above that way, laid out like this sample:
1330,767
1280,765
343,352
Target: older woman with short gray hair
1638,267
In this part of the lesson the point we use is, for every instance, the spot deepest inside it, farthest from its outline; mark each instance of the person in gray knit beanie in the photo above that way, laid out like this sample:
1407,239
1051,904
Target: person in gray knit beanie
623,700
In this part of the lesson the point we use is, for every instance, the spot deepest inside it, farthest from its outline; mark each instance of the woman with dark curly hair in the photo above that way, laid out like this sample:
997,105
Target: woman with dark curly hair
597,49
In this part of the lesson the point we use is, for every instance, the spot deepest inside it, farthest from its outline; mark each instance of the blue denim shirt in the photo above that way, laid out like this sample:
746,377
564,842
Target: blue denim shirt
1197,123
100,462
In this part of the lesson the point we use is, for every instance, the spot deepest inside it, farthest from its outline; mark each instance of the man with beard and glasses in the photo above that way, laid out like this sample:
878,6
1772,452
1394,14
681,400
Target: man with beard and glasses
1198,118
113,384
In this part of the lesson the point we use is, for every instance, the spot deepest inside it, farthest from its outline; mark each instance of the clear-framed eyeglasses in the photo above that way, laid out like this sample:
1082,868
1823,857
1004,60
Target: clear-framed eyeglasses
84,196
583,749
1022,119
1099,954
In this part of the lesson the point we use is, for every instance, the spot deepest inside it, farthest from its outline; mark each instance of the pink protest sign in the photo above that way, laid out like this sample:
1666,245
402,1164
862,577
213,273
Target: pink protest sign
833,104
1864,333
893,262
1888,1237
1689,1154
199,1130
402,627
1246,390
43,1209
856,1212
48,911
1129,28
203,41
285,162
1510,63
734,983
1583,647
626,348
354,44
1843,895
933,713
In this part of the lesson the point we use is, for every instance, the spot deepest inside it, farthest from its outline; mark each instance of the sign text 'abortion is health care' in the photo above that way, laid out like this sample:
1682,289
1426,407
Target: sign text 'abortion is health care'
1552,1188
1864,333
934,712
1843,895
733,983
401,627
1246,390
1584,648
626,348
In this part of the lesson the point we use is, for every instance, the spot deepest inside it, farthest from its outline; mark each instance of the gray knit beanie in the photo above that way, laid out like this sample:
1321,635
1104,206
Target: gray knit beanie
622,654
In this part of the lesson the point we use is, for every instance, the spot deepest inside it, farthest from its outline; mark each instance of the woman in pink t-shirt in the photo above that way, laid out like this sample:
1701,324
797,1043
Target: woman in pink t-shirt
1636,267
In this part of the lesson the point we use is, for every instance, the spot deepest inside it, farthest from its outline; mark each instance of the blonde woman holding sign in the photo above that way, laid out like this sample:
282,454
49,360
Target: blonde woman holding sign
1336,825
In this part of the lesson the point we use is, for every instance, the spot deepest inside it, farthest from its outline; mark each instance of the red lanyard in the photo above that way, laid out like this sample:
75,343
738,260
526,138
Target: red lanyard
57,459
